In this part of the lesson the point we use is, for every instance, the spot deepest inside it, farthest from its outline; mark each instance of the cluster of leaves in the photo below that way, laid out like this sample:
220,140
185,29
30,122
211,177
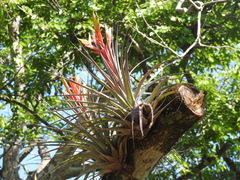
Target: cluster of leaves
48,27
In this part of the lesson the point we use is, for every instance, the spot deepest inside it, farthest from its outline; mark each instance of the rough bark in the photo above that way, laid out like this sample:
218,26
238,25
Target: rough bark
10,161
50,170
11,151
185,109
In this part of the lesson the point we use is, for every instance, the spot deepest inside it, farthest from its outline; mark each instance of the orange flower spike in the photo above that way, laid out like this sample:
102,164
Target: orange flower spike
99,38
75,85
78,89
89,45
76,92
66,86
101,48
68,90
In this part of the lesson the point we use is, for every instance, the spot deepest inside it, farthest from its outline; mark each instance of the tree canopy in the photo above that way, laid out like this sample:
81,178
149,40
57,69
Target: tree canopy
40,43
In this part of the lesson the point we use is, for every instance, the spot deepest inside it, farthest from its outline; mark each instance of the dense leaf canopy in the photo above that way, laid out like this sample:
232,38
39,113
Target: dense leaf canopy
39,43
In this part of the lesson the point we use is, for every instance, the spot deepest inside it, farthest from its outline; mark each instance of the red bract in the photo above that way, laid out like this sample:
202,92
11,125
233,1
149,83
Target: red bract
100,47
75,92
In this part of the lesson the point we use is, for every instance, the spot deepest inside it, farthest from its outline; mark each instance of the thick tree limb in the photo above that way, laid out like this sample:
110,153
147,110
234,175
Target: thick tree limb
51,171
45,156
184,110
26,151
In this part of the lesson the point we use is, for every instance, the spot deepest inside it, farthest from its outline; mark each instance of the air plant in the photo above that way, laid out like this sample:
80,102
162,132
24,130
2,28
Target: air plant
103,121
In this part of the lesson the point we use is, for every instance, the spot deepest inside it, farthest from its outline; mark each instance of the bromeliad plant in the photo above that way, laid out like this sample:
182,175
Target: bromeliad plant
103,121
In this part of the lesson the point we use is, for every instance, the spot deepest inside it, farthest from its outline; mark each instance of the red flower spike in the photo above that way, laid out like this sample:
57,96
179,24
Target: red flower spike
100,48
96,24
78,93
90,46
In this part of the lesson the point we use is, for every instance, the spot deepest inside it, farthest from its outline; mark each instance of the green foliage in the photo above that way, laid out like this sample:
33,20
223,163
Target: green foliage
47,46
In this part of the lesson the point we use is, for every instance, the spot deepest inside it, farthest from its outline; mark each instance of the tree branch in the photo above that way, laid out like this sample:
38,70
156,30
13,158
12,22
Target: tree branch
199,6
13,101
50,171
45,156
162,44
214,2
205,161
26,151
179,7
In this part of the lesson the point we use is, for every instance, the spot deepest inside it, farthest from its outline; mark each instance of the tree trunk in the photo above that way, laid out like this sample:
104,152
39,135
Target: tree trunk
11,151
184,110
10,161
